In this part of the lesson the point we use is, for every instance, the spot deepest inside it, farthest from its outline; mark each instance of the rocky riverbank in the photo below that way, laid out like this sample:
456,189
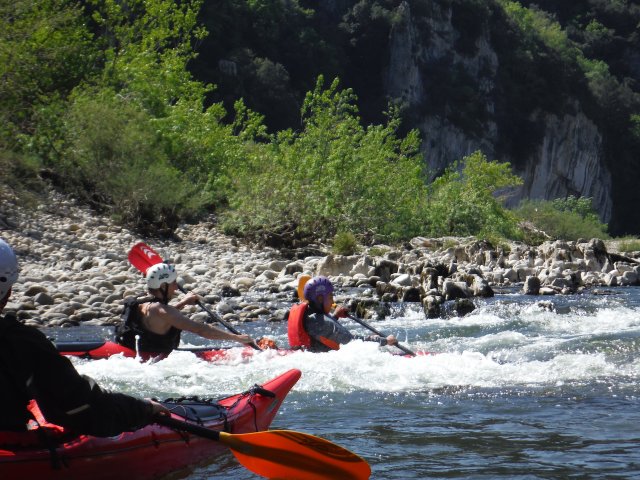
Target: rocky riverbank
74,269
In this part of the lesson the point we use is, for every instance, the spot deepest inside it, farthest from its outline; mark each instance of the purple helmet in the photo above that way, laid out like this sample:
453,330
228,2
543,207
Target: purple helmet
317,286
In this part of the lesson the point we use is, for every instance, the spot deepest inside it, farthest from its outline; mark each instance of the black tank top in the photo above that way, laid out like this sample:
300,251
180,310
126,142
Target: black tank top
149,342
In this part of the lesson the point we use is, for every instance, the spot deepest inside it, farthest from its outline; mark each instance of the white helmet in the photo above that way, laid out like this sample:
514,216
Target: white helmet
8,268
160,273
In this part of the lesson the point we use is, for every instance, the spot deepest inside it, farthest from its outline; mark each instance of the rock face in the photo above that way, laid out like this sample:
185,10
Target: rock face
417,49
568,158
569,162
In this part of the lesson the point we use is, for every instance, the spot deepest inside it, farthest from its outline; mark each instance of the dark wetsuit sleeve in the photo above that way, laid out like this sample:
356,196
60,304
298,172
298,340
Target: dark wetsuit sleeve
69,399
319,325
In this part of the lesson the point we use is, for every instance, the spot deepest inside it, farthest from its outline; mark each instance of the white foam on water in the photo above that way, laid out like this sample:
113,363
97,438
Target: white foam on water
494,347
357,366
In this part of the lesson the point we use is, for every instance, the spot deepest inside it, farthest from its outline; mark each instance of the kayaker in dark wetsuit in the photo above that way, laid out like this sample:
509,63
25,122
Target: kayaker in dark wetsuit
310,327
32,368
159,324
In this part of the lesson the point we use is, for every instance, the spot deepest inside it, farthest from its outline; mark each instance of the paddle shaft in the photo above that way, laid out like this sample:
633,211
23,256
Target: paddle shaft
187,427
219,319
366,325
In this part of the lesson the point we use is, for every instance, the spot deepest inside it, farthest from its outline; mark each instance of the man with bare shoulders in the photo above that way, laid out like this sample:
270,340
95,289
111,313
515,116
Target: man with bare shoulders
152,325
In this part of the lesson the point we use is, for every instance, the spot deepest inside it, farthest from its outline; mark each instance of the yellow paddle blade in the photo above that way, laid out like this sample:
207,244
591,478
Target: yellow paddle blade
286,454
302,281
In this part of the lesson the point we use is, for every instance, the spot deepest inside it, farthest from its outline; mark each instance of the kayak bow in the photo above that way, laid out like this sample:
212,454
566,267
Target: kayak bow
153,451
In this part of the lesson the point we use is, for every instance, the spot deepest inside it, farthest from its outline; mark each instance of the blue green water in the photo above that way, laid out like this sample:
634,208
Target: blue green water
518,389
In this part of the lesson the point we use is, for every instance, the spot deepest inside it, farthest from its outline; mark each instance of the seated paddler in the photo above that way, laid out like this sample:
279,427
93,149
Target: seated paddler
32,369
153,325
311,326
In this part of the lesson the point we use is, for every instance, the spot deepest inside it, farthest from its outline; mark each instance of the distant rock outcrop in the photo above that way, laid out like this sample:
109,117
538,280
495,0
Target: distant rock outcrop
568,158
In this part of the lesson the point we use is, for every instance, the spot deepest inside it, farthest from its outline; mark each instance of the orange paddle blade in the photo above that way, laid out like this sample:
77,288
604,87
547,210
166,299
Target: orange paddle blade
142,256
291,455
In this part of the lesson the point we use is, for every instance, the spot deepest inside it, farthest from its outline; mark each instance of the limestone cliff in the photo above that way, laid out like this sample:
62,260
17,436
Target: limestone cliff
566,157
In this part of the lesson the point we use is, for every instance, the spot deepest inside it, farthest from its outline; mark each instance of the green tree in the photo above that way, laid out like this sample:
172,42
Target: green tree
465,199
45,51
146,45
114,153
335,175
156,125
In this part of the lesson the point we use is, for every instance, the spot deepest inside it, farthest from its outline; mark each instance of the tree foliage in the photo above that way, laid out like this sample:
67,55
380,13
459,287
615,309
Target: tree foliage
146,45
114,157
570,218
45,51
334,175
101,93
465,200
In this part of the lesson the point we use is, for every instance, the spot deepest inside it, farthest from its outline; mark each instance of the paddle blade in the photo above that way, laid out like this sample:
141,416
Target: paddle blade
142,256
286,454
302,281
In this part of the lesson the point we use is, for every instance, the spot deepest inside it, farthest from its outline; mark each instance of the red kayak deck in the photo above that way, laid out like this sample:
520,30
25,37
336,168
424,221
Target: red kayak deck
106,349
154,451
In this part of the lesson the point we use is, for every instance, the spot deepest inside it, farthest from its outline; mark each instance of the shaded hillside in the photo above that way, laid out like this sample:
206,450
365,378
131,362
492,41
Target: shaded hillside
487,78
328,118
608,31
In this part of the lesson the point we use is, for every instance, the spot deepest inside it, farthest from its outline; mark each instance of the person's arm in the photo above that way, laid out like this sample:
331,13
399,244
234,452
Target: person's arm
322,327
190,298
212,333
111,413
383,341
343,312
176,319
76,402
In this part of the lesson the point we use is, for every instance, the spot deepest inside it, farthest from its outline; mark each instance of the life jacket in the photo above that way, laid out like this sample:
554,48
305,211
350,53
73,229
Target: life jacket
39,432
132,326
298,336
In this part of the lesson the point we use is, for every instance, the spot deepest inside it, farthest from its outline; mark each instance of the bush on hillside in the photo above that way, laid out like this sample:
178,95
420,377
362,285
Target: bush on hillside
464,201
568,219
18,175
112,152
345,243
335,175
628,245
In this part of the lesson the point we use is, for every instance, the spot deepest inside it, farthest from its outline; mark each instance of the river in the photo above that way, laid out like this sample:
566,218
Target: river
521,388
